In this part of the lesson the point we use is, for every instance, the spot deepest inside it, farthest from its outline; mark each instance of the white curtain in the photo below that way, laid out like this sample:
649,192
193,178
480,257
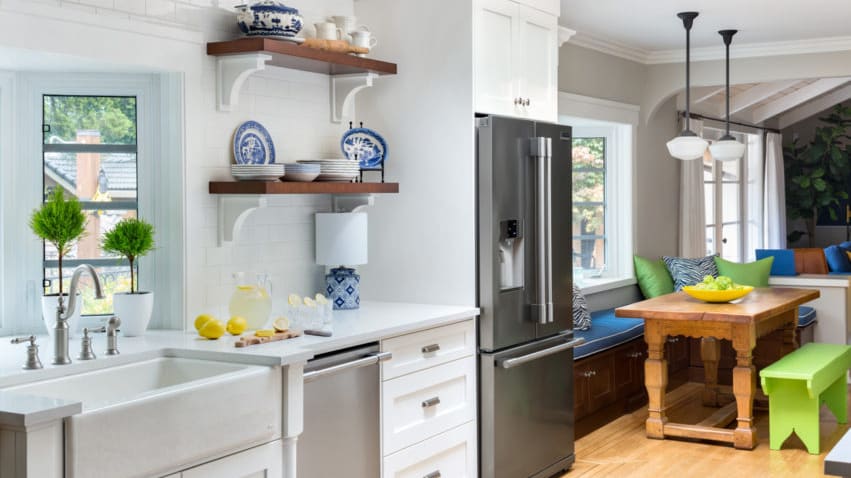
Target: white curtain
774,217
754,195
692,209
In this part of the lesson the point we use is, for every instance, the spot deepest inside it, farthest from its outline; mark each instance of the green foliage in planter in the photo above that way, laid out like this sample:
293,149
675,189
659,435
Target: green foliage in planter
817,173
59,222
132,238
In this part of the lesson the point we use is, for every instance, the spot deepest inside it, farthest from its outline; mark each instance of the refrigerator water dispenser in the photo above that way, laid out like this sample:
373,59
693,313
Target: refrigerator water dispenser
511,258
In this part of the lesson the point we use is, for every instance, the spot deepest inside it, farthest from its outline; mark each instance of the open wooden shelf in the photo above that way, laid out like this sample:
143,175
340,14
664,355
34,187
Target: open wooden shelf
291,55
272,187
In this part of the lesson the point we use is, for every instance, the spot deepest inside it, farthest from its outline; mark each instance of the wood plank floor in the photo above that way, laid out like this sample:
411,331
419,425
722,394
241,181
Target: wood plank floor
620,448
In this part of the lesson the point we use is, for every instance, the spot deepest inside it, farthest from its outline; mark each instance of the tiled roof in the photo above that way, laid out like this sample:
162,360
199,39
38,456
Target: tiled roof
118,170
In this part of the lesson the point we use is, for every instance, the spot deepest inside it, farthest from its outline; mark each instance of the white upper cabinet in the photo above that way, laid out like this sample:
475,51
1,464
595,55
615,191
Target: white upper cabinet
516,60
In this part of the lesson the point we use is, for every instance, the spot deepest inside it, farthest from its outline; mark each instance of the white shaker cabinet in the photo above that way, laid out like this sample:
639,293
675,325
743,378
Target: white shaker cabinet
429,402
515,60
264,461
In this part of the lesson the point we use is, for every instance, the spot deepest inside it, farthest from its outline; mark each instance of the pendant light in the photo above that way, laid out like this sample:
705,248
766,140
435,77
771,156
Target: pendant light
687,145
727,148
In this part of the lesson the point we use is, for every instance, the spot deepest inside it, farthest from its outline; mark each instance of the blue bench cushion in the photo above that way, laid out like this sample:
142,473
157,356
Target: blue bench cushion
607,331
784,261
806,316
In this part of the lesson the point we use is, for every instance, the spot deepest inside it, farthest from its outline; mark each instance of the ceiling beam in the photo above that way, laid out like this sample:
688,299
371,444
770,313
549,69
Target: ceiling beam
792,100
703,93
754,95
814,107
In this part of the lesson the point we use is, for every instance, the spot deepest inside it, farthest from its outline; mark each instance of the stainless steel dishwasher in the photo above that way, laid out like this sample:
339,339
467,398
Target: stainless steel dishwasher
342,419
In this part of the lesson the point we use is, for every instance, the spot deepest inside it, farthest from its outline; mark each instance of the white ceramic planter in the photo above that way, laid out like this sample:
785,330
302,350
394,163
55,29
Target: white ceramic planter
134,310
49,303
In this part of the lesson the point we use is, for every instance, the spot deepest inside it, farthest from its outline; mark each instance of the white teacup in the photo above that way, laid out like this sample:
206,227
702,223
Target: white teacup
364,39
327,31
345,23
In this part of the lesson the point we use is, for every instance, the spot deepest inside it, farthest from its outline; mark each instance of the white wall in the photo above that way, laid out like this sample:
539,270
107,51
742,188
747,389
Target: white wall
422,241
171,36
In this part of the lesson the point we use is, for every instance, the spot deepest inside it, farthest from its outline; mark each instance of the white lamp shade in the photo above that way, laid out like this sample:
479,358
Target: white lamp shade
687,147
727,150
341,239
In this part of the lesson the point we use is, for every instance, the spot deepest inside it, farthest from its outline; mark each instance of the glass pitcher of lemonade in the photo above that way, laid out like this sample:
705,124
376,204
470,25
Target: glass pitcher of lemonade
252,301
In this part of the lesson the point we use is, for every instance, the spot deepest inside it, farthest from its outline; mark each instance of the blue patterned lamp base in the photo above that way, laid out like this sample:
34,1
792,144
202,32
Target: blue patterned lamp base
342,286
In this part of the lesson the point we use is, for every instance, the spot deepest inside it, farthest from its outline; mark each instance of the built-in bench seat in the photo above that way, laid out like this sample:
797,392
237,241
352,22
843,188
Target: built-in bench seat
606,332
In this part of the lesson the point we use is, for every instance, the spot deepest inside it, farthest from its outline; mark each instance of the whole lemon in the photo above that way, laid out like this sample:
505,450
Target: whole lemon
236,325
212,329
202,319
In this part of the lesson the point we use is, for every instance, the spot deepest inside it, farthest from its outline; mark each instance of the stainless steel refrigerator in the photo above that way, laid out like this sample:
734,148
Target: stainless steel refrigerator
525,295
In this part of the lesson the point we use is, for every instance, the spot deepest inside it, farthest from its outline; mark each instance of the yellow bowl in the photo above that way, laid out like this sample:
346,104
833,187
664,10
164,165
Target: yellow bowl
717,295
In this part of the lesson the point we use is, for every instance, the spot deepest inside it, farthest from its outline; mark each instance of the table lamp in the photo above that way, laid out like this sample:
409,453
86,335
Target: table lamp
341,240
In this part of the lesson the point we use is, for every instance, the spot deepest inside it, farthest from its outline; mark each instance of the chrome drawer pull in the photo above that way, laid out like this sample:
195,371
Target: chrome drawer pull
589,374
673,340
635,355
431,402
431,348
433,474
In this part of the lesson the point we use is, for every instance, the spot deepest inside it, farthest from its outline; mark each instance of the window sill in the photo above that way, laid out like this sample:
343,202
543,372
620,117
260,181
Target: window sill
595,285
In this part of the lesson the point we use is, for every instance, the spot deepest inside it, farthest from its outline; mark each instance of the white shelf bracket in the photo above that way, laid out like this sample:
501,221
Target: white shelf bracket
231,73
233,210
352,202
343,91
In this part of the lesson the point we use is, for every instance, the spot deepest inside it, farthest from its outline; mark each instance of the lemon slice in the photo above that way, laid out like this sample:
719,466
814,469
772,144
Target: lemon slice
294,299
309,302
321,300
264,333
281,324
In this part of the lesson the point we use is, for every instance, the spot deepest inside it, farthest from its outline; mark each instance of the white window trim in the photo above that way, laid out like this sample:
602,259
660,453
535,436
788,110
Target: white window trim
7,155
587,111
160,176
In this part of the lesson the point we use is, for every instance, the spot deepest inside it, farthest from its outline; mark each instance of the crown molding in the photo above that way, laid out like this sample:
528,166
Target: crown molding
564,34
741,50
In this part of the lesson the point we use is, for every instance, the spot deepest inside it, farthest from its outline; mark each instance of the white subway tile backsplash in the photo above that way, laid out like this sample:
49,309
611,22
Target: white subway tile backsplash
164,9
94,3
135,7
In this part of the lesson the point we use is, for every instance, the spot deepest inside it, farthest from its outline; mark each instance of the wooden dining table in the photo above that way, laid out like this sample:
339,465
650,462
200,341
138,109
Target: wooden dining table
741,322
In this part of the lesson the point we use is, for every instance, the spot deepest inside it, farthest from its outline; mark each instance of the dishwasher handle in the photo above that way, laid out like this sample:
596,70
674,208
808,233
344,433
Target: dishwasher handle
370,359
515,361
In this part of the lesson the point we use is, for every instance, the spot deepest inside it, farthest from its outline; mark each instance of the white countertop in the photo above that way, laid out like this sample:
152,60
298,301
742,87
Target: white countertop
373,321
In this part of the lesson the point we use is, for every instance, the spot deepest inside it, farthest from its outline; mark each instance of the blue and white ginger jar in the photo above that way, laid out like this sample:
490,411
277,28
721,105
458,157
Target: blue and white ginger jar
342,286
269,18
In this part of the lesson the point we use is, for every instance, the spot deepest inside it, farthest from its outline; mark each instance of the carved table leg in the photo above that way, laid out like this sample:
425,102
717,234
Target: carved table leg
790,329
744,386
655,379
710,352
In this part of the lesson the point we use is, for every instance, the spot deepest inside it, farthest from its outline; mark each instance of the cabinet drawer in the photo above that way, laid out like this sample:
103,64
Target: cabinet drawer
449,455
420,350
423,404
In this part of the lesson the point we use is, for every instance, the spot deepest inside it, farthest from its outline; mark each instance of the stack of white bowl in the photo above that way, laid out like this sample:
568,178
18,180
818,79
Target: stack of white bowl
335,169
257,172
301,172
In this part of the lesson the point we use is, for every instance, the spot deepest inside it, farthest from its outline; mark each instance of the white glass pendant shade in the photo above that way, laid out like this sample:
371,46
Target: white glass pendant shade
727,149
687,147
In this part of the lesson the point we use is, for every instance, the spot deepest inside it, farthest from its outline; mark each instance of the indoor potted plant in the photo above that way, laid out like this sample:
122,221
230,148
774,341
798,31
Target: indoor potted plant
132,238
60,222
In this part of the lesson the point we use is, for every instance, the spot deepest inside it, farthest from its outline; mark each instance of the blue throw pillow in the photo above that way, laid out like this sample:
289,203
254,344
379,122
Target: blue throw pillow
784,261
837,259
845,245
686,271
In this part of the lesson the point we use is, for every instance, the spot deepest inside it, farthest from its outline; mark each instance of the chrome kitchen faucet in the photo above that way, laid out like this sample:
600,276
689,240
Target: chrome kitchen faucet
62,329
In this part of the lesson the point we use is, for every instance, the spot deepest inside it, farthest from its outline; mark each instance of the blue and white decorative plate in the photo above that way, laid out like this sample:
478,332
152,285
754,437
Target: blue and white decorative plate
252,144
365,146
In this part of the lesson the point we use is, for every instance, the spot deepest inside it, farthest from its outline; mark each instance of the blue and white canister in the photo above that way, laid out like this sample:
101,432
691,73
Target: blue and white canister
342,286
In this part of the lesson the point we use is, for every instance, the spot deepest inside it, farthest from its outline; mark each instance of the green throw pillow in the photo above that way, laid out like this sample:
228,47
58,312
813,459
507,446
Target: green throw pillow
751,273
653,277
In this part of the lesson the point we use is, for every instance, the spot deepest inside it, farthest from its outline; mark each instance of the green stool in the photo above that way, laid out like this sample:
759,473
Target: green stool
798,384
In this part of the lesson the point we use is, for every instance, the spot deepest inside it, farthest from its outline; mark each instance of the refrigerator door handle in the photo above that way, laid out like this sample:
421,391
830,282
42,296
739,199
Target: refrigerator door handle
516,361
541,148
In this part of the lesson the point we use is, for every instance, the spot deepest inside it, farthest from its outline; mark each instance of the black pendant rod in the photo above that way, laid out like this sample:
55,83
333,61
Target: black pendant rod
688,21
721,120
728,38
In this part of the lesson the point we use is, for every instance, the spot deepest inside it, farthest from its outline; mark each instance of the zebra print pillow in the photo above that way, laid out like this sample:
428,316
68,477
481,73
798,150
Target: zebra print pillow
581,316
686,271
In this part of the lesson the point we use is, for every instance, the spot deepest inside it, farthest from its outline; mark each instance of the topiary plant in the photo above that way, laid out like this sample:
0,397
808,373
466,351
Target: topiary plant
132,238
59,222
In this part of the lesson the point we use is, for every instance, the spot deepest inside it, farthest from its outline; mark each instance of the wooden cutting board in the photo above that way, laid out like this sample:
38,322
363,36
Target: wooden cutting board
247,340
340,46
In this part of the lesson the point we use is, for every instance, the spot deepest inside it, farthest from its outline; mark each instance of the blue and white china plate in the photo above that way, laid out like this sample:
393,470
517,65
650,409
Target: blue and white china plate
252,144
365,146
